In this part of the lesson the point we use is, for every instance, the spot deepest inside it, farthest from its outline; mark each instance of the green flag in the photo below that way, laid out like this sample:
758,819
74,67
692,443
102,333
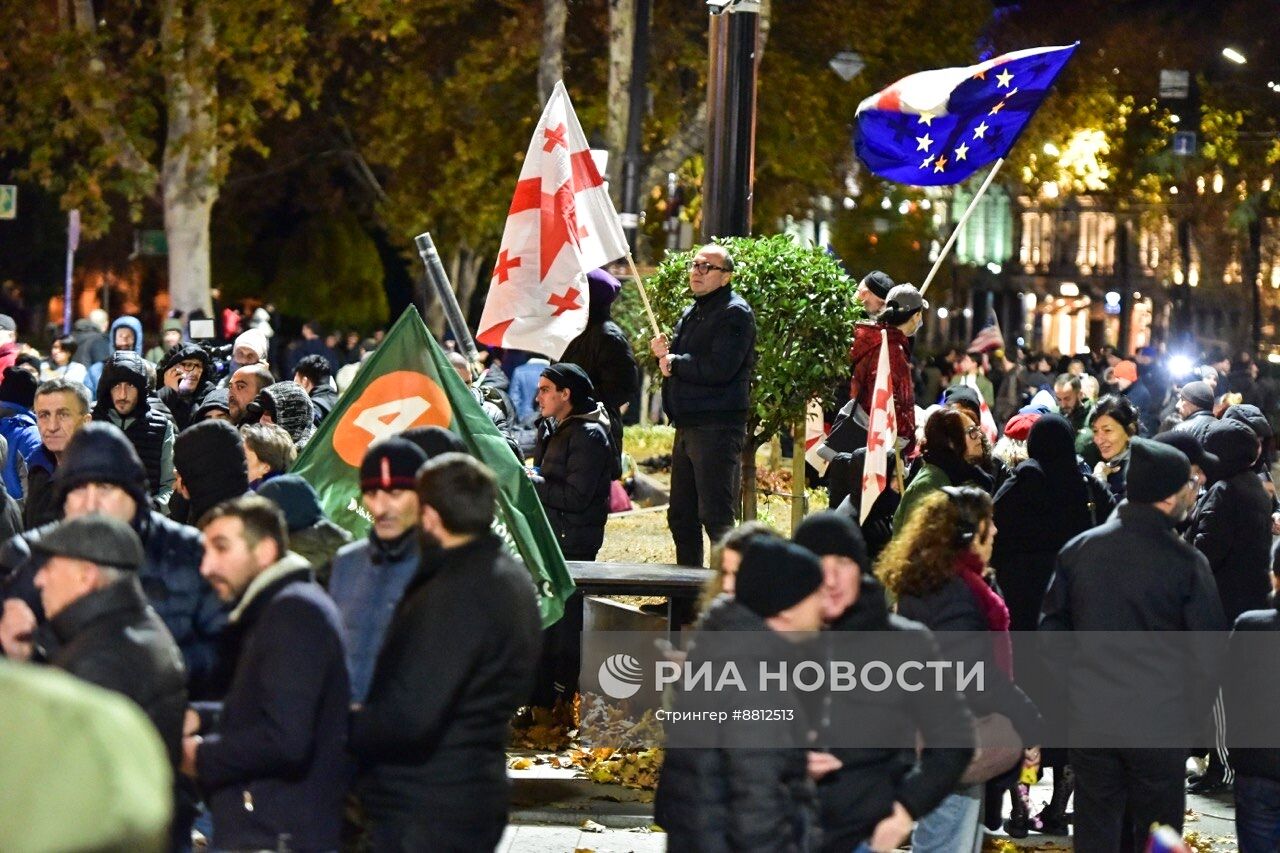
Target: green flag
408,382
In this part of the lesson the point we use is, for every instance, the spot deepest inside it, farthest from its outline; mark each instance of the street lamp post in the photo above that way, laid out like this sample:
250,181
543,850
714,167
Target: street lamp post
731,118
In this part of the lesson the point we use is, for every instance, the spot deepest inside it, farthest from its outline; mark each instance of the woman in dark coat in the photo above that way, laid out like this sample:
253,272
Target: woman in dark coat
1113,423
937,568
1039,509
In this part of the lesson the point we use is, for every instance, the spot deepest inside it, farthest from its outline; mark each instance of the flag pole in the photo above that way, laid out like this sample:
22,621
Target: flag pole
955,232
644,297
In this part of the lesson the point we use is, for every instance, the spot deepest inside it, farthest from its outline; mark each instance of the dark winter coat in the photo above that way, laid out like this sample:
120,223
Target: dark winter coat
1231,525
149,427
604,352
1197,424
111,638
577,463
954,615
749,792
41,505
274,770
1133,573
1252,692
870,780
1045,504
713,351
92,345
323,400
170,578
458,660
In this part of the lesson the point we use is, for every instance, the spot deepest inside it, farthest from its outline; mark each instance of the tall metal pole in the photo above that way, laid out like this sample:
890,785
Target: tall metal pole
1122,283
1252,265
439,280
731,118
73,243
637,107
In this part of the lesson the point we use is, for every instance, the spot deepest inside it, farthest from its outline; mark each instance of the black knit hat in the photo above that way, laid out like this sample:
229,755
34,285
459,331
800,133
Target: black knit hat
296,498
829,532
1198,393
1156,471
434,440
392,463
775,575
100,453
96,538
878,283
566,374
290,408
215,399
1190,447
18,386
210,457
963,396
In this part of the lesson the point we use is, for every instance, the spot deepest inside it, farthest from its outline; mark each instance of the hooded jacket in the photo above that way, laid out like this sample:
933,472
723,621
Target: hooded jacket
1231,525
870,780
148,427
182,405
290,409
91,345
210,457
97,368
577,463
749,792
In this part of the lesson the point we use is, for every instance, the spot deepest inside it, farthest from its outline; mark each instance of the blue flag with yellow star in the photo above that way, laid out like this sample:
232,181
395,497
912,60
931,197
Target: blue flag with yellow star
939,127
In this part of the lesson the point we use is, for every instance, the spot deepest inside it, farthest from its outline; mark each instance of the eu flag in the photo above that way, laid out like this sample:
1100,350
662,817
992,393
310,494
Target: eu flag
939,127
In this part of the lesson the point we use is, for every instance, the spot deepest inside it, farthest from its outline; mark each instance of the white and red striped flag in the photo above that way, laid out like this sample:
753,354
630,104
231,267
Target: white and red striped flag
882,434
561,225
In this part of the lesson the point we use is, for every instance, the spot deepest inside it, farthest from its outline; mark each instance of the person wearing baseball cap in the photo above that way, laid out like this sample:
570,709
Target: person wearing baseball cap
100,626
1134,573
771,804
369,577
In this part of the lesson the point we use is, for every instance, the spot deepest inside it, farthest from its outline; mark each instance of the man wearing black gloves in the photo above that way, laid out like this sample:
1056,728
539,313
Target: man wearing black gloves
707,396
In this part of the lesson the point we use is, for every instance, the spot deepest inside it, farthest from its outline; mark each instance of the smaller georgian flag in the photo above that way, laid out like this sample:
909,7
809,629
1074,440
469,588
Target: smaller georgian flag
939,127
882,434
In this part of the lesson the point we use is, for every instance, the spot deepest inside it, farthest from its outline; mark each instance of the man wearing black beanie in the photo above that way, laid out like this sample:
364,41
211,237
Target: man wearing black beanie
751,790
836,540
1134,573
211,467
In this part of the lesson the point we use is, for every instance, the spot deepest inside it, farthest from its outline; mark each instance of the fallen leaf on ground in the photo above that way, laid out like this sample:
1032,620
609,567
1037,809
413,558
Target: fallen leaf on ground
592,826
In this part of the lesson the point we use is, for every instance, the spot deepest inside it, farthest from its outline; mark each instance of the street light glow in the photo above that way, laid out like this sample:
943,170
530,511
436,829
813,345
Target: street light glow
1234,55
1051,149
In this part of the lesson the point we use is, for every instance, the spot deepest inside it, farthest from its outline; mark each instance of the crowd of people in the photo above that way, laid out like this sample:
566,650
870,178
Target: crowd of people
305,687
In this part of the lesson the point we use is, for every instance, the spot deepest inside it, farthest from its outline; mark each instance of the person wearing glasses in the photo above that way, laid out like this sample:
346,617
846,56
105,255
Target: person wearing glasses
707,368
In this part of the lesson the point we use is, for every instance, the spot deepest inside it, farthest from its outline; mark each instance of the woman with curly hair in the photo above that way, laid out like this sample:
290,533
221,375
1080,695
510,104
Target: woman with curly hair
936,568
946,447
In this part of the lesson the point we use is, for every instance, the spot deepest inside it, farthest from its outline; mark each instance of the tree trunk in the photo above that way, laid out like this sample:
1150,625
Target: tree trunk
749,476
551,61
191,150
622,33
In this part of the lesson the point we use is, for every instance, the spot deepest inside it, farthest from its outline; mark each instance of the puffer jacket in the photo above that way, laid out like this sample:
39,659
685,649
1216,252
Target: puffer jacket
577,463
111,638
1232,521
713,351
872,778
739,795
149,427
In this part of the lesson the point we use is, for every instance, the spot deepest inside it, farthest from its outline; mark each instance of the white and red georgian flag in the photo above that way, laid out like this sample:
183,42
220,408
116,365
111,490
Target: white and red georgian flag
561,225
882,434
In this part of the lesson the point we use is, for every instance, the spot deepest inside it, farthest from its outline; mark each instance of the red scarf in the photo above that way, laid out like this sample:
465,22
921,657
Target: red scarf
969,567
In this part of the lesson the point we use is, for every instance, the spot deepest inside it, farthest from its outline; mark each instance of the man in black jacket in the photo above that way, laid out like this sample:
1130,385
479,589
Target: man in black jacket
124,400
314,375
458,659
707,396
1252,693
873,793
1134,574
604,352
100,628
1195,407
186,378
273,764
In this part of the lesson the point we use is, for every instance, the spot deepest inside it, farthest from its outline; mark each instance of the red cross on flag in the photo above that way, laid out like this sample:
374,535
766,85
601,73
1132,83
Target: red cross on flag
882,433
561,225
